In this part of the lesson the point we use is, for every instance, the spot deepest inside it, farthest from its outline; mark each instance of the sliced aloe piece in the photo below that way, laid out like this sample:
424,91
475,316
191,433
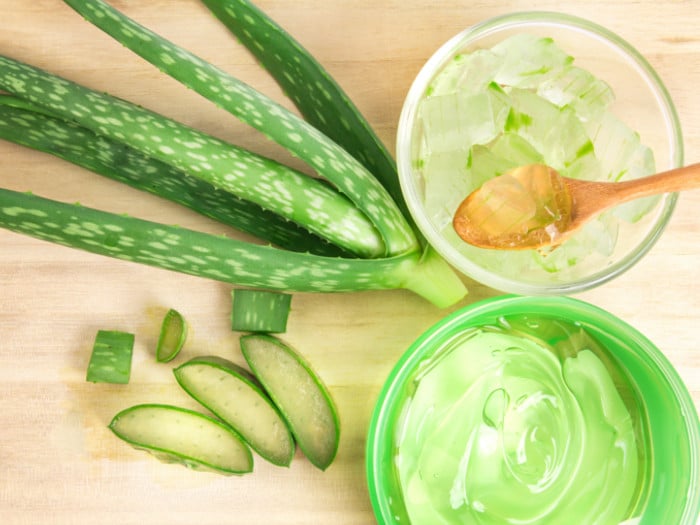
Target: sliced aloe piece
260,310
235,397
110,361
178,435
173,333
299,393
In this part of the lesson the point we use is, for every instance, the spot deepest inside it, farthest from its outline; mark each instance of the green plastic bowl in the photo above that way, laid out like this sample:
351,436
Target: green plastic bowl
673,495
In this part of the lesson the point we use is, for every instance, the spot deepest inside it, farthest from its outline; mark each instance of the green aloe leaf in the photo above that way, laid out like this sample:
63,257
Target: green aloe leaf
317,96
259,111
221,258
23,123
265,182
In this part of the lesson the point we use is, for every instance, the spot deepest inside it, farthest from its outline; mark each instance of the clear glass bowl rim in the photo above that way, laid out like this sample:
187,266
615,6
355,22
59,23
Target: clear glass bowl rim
509,21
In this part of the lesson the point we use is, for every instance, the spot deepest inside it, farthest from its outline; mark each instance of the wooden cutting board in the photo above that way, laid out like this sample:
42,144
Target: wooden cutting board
59,463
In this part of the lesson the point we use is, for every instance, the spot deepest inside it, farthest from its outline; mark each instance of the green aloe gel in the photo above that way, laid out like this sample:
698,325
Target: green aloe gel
529,421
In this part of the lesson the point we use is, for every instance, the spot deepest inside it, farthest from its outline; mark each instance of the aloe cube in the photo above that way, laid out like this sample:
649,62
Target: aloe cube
619,148
486,164
588,95
527,60
447,182
466,73
457,121
556,132
516,149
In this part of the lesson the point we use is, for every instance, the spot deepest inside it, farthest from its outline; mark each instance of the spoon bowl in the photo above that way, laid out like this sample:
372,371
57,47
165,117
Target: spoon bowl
533,206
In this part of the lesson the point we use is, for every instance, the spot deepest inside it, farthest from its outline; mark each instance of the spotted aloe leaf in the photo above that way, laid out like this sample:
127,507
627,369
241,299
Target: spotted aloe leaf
317,96
24,123
257,179
252,107
221,258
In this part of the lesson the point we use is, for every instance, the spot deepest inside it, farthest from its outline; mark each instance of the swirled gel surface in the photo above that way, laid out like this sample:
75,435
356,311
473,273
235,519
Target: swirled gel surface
506,428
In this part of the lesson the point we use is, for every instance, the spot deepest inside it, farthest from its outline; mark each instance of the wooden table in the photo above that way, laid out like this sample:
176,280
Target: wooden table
59,464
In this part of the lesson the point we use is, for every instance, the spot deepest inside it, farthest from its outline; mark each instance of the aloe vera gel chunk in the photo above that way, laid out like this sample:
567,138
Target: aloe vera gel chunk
526,422
526,101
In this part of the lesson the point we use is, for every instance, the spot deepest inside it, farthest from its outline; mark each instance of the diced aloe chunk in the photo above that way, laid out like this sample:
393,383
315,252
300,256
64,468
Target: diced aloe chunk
635,210
588,95
466,73
456,121
556,132
597,238
485,164
178,435
516,149
299,393
527,60
110,361
623,157
173,333
235,397
585,166
619,149
447,182
601,234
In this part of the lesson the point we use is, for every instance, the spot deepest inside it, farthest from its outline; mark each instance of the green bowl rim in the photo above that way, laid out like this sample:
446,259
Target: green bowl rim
470,315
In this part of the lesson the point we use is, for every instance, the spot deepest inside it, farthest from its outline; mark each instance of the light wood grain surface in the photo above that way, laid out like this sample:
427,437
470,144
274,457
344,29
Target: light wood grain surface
59,464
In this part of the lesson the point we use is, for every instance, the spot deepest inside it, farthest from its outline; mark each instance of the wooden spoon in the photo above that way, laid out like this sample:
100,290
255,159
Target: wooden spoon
533,206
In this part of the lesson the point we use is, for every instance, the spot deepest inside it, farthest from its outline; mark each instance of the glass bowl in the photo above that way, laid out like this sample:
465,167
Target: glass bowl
669,490
435,175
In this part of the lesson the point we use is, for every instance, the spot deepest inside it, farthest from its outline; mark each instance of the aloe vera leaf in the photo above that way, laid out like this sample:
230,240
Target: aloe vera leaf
301,396
317,96
236,397
221,258
110,360
259,111
259,310
173,334
179,435
265,182
23,123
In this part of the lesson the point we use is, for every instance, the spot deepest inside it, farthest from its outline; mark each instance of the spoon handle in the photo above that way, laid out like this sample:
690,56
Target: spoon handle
594,197
684,178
